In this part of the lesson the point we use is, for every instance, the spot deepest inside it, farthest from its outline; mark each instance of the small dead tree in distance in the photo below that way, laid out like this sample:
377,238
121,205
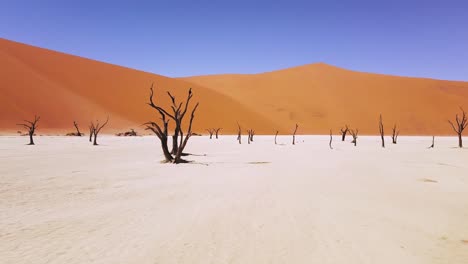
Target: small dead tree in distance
461,125
97,128
381,131
211,131
250,135
294,135
276,135
239,133
91,130
78,133
395,134
331,139
217,132
31,126
344,131
354,133
162,133
432,146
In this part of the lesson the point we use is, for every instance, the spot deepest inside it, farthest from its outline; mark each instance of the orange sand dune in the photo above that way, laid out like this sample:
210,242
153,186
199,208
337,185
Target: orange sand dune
321,97
62,88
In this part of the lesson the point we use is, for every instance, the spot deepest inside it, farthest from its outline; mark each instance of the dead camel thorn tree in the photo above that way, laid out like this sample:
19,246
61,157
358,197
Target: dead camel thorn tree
331,139
78,133
162,132
250,135
91,129
344,131
97,128
217,131
432,146
395,134
294,135
354,133
31,126
276,135
381,131
461,125
239,133
211,131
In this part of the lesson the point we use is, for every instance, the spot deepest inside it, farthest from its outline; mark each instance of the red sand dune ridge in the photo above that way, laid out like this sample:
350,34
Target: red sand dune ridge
62,88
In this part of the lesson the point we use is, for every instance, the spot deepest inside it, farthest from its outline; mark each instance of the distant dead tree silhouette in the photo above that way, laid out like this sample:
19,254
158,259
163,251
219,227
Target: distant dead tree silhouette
381,130
294,135
354,133
239,133
331,139
91,129
31,126
211,131
97,128
344,131
251,134
395,134
276,135
177,117
460,126
217,131
432,146
78,133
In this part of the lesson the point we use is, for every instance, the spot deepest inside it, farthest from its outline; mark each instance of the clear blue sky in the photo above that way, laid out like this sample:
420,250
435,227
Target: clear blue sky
181,38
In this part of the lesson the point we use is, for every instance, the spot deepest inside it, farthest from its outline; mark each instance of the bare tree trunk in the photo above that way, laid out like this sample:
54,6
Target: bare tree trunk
395,134
95,139
354,133
294,135
461,125
91,132
331,139
175,139
239,134
31,140
77,129
432,146
344,131
381,130
276,135
217,132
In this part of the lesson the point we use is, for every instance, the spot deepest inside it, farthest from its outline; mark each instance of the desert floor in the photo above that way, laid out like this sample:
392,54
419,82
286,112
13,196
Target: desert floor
66,201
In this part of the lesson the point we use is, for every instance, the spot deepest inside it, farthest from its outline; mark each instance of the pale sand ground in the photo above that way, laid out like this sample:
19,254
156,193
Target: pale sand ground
65,201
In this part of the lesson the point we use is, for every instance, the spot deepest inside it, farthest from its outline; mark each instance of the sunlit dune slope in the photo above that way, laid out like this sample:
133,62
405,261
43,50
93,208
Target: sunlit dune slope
62,88
321,97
